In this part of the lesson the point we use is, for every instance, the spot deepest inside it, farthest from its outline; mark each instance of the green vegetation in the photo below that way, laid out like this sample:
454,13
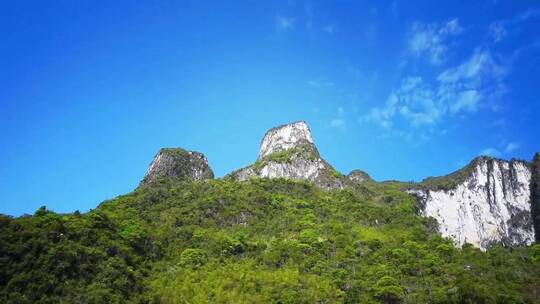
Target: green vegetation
176,152
305,151
450,181
282,156
262,241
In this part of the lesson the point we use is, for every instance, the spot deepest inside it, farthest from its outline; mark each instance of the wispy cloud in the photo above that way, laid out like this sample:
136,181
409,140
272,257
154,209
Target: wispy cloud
414,102
284,23
431,39
478,79
511,147
339,121
479,66
499,29
504,151
458,90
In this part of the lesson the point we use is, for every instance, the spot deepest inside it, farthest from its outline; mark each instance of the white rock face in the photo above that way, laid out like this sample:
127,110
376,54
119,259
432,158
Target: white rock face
285,137
302,169
298,168
491,205
301,163
178,163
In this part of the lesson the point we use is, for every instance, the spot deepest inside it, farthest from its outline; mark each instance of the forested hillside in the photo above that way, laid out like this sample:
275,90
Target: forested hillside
260,241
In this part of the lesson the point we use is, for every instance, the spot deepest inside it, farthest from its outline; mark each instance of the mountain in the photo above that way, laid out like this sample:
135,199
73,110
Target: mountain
287,229
178,163
288,151
486,202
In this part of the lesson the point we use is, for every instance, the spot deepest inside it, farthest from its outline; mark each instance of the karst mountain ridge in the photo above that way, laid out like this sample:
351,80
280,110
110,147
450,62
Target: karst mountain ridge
488,201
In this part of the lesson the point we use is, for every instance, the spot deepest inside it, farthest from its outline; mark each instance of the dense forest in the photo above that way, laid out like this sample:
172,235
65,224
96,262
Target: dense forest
261,241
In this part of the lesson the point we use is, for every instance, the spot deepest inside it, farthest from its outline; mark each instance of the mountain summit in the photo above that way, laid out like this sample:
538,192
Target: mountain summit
178,163
288,151
285,137
258,237
487,202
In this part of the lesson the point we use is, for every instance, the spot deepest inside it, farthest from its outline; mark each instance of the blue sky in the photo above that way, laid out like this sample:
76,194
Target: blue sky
402,89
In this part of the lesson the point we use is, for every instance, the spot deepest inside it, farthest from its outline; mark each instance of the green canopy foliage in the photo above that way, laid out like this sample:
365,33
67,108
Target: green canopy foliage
260,241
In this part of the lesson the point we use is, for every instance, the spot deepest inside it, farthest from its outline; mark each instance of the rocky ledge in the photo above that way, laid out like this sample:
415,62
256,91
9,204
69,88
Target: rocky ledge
178,163
288,151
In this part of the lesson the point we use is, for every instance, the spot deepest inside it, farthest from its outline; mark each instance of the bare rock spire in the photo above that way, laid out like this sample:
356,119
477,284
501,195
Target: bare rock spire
178,163
288,151
285,137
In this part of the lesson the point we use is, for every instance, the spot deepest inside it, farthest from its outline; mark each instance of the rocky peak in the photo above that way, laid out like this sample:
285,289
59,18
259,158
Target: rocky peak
288,151
285,137
486,202
359,176
178,163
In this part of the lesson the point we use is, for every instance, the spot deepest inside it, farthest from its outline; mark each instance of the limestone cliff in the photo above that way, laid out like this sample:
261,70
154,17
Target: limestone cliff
178,163
488,201
288,151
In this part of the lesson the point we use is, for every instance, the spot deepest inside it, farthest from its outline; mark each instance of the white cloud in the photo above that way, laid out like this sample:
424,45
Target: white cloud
478,79
475,70
451,27
491,152
417,102
431,39
498,30
466,101
511,147
413,101
383,116
284,23
458,90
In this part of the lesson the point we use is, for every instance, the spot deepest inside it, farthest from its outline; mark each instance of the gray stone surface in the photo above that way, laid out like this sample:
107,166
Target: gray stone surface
491,204
288,151
178,163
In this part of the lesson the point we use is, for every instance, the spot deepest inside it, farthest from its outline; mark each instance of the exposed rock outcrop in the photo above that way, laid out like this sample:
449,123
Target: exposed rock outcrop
359,176
178,163
288,151
488,201
535,194
285,137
